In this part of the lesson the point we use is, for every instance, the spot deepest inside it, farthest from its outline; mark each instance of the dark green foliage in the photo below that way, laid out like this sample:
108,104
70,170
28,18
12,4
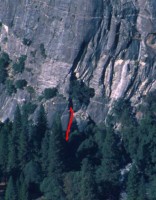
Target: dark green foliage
40,98
10,87
123,114
79,91
52,189
17,125
132,184
29,107
41,126
142,192
20,84
152,190
49,93
5,40
52,185
32,172
23,191
149,103
110,164
100,134
33,53
72,181
146,154
122,111
5,58
86,148
23,147
91,165
27,42
20,65
31,90
11,193
55,153
88,185
42,50
12,157
44,153
4,62
108,173
4,148
14,141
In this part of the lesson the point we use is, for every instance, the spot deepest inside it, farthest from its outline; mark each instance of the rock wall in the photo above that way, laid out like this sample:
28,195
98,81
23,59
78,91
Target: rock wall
110,44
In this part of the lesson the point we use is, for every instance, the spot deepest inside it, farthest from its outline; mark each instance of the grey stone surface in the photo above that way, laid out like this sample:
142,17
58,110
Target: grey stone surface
110,44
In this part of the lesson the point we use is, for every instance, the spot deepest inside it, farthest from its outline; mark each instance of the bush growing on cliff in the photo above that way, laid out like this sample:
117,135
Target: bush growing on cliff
4,62
49,93
20,65
20,84
29,107
80,91
10,87
27,42
30,89
42,49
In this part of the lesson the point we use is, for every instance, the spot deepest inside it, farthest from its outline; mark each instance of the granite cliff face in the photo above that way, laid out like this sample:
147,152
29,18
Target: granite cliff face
109,44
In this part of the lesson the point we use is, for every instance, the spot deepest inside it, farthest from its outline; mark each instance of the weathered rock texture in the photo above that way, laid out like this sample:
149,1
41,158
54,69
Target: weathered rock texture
110,44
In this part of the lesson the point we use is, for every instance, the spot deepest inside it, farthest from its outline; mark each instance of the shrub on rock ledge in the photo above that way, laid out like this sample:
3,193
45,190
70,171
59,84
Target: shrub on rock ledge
20,84
49,93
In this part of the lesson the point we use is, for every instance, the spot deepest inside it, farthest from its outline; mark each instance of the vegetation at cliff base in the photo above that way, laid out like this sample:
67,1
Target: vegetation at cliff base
100,162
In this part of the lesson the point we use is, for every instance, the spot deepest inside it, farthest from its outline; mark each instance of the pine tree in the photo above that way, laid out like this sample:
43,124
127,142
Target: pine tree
72,181
55,153
22,190
12,156
10,193
41,126
44,153
110,164
14,141
4,148
4,61
23,140
151,189
32,172
52,186
52,189
132,184
108,173
88,189
141,189
17,124
33,144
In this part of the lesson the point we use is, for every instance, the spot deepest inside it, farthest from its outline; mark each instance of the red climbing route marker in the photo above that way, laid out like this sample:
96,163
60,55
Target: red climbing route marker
70,123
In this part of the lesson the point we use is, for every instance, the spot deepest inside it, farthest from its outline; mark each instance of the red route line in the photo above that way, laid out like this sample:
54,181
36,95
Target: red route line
70,123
